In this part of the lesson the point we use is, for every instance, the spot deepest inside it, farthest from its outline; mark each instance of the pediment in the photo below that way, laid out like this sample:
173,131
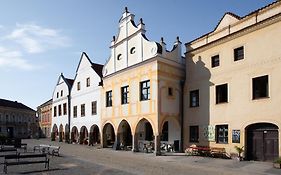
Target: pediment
227,19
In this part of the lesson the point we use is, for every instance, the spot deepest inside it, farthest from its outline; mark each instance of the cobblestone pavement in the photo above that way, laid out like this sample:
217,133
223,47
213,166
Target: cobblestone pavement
84,160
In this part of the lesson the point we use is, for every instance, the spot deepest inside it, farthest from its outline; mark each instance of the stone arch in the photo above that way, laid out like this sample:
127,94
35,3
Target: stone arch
108,135
262,141
55,131
124,136
94,135
144,136
84,135
67,133
74,135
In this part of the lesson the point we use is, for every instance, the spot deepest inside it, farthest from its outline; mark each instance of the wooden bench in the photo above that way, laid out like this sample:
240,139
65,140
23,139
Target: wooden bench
198,150
8,150
24,159
54,150
218,152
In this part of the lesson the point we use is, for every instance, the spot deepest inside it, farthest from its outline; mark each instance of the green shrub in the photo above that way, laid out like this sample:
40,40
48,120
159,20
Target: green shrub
278,160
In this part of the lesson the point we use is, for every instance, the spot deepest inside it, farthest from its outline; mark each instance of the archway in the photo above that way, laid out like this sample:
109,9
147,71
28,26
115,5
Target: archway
54,132
94,135
144,136
66,135
61,133
108,135
74,135
84,135
262,142
124,136
170,136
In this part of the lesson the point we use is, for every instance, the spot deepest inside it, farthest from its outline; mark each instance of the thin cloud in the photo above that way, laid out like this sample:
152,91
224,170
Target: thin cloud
37,39
13,59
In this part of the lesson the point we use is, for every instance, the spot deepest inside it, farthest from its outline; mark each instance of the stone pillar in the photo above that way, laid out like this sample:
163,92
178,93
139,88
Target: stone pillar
157,150
116,145
135,147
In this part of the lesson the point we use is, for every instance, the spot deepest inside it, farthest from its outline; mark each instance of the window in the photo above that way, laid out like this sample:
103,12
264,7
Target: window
215,60
78,86
59,110
82,110
222,133
64,109
193,133
57,94
55,111
108,98
94,107
88,82
194,98
145,90
133,50
74,111
170,91
221,93
239,53
260,87
119,57
125,95
61,93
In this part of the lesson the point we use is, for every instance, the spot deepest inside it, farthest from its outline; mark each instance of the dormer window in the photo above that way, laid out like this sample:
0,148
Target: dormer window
133,50
119,57
88,82
78,86
57,94
61,93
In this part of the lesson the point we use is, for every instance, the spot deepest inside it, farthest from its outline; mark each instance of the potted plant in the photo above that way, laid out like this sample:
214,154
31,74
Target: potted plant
277,163
240,150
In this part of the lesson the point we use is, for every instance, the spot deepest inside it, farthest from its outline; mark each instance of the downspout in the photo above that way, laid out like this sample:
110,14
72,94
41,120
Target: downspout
69,109
182,114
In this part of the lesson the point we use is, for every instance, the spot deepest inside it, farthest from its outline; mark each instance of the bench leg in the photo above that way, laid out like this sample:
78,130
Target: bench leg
5,169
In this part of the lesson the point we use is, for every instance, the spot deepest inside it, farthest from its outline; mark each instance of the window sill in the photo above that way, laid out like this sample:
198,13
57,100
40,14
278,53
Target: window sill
145,100
193,106
260,98
221,103
124,103
221,143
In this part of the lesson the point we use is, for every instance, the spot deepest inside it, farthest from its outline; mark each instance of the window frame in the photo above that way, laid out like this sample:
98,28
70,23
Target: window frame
75,110
170,91
238,56
64,109
214,62
88,82
55,111
257,87
125,95
83,110
194,138
145,96
94,107
197,97
224,136
219,99
108,98
78,86
59,110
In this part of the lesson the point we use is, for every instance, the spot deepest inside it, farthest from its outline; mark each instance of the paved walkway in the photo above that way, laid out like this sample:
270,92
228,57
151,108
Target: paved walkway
81,159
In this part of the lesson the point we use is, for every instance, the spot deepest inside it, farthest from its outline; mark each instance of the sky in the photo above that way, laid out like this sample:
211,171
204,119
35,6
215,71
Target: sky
41,39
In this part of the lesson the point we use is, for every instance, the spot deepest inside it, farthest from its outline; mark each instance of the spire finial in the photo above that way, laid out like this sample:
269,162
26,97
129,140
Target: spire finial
162,40
126,9
113,38
178,38
141,20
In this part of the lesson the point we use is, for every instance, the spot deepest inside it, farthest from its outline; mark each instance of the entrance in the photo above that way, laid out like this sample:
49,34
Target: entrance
262,142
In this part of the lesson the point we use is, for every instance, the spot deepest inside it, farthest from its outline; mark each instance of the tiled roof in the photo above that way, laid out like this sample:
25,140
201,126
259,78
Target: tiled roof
69,81
97,68
13,104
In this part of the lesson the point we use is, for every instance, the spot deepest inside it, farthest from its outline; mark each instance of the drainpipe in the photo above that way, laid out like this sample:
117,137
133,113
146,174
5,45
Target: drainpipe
182,113
69,109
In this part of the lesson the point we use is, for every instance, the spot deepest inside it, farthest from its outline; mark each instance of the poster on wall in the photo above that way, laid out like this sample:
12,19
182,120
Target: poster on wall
235,136
209,133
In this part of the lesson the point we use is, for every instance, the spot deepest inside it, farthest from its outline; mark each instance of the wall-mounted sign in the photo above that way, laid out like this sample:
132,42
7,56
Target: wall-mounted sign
235,136
209,133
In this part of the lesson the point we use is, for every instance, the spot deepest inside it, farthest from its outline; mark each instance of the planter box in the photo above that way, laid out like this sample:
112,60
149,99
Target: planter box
277,165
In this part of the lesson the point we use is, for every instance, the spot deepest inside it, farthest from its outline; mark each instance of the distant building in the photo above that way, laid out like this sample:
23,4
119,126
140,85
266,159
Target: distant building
17,120
45,118
233,80
61,108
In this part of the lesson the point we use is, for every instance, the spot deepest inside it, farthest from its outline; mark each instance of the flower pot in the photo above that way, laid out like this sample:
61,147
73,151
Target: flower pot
277,165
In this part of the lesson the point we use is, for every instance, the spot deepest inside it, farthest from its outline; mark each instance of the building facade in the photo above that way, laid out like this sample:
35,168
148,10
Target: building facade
85,102
142,91
61,109
17,120
232,88
44,112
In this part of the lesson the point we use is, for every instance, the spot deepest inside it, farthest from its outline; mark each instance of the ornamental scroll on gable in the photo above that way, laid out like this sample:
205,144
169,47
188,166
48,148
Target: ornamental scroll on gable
130,46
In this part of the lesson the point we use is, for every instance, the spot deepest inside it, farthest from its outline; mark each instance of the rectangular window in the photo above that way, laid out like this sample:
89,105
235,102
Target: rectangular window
239,53
78,86
94,107
145,90
57,94
55,111
260,87
82,110
215,60
108,98
222,133
193,133
64,109
88,82
221,94
59,110
125,95
194,98
61,93
74,111
170,91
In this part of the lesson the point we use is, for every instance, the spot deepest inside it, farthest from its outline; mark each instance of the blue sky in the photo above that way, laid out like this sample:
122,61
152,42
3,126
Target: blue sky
40,39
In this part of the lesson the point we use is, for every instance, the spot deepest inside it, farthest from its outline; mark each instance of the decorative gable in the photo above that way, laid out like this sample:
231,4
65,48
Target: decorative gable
227,20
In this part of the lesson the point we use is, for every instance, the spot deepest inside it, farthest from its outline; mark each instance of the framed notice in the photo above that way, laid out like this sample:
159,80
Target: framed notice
235,136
